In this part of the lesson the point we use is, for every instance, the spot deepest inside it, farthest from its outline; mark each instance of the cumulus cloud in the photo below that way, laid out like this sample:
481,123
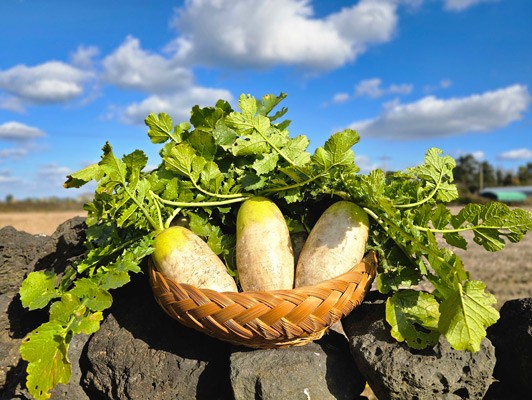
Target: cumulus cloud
372,88
340,98
460,5
16,131
84,57
177,105
517,154
51,82
131,67
433,117
246,33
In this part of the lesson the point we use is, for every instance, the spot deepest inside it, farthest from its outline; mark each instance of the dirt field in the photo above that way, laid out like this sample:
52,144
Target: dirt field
507,274
37,223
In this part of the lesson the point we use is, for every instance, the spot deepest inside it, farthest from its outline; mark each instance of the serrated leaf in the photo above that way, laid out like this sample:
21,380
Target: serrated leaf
81,177
160,127
61,311
89,324
266,164
466,314
96,298
456,240
337,150
203,143
268,103
248,106
38,289
180,159
250,146
252,182
413,316
113,167
46,351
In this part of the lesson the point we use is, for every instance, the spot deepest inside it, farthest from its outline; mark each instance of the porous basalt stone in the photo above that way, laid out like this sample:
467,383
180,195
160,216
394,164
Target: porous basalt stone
396,372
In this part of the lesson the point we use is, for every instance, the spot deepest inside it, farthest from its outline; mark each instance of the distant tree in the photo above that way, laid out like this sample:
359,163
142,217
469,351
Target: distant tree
10,199
509,179
466,174
524,174
500,176
488,175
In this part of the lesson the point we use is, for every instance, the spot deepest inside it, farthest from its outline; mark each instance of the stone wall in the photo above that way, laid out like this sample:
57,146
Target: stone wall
141,353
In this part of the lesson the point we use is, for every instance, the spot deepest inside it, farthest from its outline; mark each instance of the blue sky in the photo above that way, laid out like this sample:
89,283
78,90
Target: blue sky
407,74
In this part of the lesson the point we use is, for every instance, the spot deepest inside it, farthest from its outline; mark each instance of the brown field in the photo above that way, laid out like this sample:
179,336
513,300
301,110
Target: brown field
507,274
37,222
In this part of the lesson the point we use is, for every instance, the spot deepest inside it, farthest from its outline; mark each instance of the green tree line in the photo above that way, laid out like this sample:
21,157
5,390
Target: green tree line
471,175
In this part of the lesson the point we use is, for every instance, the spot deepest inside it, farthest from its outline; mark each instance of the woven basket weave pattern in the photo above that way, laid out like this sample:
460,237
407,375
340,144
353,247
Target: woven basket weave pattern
276,318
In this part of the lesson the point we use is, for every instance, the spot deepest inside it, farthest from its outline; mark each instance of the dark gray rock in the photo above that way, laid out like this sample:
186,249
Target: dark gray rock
394,371
319,370
21,253
512,338
18,253
141,353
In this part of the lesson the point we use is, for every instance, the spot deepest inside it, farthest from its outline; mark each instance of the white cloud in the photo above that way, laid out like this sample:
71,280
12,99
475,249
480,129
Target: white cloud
433,117
53,174
51,82
177,105
84,56
247,33
340,98
365,164
16,131
443,84
460,5
5,177
478,155
517,154
372,88
14,153
131,67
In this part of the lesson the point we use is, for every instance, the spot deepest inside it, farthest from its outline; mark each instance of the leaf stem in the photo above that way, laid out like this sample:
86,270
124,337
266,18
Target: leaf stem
430,196
278,150
200,203
220,196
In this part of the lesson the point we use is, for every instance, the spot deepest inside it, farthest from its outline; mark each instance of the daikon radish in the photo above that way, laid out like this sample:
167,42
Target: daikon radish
184,257
335,244
264,257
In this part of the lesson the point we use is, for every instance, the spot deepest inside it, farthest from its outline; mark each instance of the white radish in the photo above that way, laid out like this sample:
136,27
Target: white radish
264,257
184,257
336,243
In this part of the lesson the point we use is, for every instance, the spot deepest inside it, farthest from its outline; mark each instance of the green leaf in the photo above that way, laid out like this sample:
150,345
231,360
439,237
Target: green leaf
466,314
337,150
160,127
413,317
96,298
180,159
266,164
38,289
46,351
203,143
81,177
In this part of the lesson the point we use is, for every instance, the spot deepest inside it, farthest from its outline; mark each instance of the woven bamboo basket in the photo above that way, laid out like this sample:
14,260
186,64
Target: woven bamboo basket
269,319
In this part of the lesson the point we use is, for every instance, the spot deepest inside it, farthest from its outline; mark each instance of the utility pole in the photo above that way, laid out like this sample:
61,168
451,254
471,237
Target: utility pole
481,177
